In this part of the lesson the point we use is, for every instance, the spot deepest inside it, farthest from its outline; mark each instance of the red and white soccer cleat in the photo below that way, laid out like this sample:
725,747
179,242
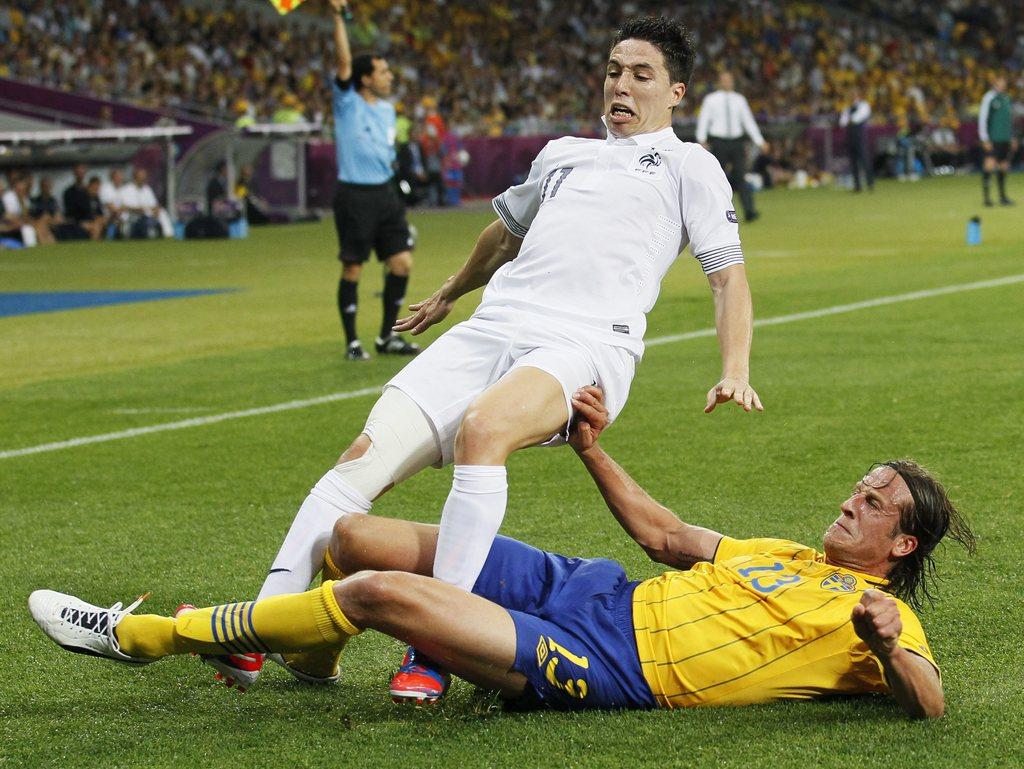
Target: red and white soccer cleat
419,680
237,670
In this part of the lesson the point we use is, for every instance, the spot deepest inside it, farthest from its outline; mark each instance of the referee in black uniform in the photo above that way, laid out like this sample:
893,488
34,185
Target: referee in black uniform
368,210
723,126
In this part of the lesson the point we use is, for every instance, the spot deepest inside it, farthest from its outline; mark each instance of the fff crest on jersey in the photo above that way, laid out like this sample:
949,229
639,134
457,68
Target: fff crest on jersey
648,162
840,583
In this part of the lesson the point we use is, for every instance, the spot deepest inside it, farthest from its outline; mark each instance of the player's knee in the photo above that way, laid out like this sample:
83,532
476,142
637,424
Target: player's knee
349,538
372,597
479,432
351,272
400,264
356,449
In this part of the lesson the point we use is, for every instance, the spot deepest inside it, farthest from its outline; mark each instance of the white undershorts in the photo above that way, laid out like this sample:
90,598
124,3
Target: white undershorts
449,374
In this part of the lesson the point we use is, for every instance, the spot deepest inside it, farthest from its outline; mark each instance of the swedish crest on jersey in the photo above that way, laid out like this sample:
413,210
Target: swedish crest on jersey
837,582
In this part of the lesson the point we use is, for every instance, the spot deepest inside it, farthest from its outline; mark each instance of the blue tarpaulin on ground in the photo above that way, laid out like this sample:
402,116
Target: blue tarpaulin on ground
27,302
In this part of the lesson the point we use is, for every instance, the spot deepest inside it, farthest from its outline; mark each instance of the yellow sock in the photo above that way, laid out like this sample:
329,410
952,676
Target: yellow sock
283,623
325,662
330,571
148,636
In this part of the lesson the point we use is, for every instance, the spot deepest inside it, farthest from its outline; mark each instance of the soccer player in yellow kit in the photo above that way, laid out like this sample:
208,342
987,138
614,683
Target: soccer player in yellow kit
742,621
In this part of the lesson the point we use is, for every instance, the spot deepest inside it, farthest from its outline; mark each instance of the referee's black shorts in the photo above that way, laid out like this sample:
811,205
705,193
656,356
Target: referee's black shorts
1000,152
370,217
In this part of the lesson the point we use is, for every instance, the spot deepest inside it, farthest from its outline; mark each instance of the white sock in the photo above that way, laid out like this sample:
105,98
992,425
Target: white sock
302,552
471,519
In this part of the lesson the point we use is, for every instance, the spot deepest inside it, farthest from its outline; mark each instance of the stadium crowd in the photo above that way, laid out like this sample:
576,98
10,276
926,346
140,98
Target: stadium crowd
513,68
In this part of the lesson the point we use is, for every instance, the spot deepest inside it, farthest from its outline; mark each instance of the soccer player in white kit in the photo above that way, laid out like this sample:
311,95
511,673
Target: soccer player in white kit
572,265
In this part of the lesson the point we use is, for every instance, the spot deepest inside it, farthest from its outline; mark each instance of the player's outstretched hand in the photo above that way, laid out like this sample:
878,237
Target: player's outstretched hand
737,390
426,313
877,621
590,417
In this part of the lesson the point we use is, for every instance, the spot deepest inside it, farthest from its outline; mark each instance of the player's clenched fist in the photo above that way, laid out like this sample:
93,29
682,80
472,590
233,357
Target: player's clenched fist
877,621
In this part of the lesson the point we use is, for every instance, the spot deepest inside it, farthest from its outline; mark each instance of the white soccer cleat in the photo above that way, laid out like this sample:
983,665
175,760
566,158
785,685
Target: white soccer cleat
238,670
81,627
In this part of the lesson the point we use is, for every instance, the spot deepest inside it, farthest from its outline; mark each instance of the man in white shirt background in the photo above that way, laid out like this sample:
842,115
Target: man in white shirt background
110,195
140,203
854,118
724,125
572,265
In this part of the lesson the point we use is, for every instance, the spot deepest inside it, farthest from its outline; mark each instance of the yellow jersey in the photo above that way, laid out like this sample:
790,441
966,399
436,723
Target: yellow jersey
767,620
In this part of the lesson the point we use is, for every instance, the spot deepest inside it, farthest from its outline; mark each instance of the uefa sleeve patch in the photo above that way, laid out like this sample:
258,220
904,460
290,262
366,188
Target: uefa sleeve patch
731,216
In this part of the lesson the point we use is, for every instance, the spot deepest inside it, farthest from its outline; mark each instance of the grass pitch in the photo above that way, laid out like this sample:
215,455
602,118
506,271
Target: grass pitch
197,513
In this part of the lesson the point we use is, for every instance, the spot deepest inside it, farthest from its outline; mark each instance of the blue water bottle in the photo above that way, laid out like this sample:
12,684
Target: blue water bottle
974,231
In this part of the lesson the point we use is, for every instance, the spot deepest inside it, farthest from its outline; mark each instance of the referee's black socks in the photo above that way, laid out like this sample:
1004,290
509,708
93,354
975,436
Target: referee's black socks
986,181
1001,181
394,296
348,302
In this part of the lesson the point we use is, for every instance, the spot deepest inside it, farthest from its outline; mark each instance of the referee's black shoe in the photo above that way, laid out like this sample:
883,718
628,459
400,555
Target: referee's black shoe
355,351
396,345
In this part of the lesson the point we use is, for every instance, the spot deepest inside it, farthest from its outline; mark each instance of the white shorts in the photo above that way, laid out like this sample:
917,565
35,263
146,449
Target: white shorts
448,375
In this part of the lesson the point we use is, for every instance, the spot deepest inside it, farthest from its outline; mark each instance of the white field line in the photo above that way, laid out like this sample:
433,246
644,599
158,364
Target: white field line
842,308
194,422
340,396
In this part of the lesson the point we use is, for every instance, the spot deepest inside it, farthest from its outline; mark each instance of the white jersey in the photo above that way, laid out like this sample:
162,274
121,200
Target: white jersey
602,220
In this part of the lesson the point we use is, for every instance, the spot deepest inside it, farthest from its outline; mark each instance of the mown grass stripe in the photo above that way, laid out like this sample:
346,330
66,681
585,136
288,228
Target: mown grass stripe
339,396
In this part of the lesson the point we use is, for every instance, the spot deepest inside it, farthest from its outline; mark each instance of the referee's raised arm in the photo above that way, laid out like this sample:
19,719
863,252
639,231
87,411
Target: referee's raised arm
341,45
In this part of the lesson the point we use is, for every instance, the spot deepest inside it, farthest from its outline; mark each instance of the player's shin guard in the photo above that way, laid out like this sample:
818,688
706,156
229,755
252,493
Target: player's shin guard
285,623
471,519
302,552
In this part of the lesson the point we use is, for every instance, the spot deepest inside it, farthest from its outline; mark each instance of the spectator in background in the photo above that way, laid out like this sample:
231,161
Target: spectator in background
96,223
46,208
245,115
12,232
257,210
76,196
431,139
10,228
217,188
17,206
110,196
146,218
854,118
290,110
944,148
410,167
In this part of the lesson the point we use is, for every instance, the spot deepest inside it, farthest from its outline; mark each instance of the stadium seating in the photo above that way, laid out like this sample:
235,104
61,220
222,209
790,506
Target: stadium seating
534,68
